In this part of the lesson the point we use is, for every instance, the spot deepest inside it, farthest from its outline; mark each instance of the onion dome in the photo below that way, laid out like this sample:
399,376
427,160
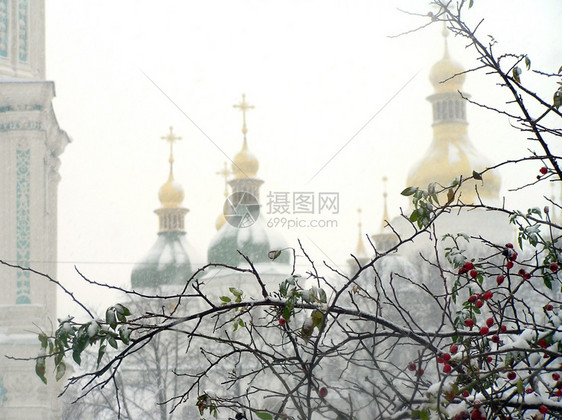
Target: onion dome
255,242
245,231
451,153
245,164
442,72
171,193
171,260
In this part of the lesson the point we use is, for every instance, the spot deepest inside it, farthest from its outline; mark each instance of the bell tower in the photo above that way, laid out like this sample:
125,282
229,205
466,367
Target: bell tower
30,145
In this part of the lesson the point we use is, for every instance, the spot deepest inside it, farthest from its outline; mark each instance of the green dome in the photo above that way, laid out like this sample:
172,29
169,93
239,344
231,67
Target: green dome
254,241
169,262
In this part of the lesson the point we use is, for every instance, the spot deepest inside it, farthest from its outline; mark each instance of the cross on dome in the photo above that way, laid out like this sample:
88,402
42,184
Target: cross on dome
171,138
244,106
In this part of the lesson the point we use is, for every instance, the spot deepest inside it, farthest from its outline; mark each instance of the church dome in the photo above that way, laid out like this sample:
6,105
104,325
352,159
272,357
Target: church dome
254,241
171,194
245,164
170,261
442,72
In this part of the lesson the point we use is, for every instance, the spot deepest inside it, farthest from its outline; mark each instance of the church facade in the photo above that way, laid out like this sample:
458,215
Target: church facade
31,142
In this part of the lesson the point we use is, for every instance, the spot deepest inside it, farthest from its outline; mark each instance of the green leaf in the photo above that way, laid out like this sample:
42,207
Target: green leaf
558,97
520,386
273,255
112,342
40,369
450,196
43,339
409,191
470,3
414,216
121,309
264,416
236,292
527,62
547,281
110,317
76,356
317,319
124,334
476,176
101,352
61,370
225,299
515,73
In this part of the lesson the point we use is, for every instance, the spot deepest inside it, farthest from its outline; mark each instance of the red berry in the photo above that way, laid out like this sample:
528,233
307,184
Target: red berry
495,338
479,304
322,392
543,170
469,322
511,376
447,368
446,357
484,331
411,366
420,372
556,376
490,322
553,267
527,276
473,273
529,390
440,360
472,299
465,393
282,321
513,256
521,272
558,393
488,295
509,265
549,307
503,328
454,349
509,245
489,359
468,266
543,409
499,279
543,343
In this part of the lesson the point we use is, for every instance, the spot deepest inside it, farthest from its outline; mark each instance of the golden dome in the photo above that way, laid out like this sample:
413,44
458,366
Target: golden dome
245,164
171,193
444,69
450,156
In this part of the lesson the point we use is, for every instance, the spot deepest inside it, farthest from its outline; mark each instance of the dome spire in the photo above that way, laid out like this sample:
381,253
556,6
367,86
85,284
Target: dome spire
171,193
245,164
385,217
360,251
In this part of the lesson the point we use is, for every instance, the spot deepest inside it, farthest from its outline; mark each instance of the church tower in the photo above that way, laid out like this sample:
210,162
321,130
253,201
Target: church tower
245,230
30,145
451,153
171,260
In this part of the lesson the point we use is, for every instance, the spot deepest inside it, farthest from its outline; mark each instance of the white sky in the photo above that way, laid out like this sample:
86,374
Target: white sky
316,71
